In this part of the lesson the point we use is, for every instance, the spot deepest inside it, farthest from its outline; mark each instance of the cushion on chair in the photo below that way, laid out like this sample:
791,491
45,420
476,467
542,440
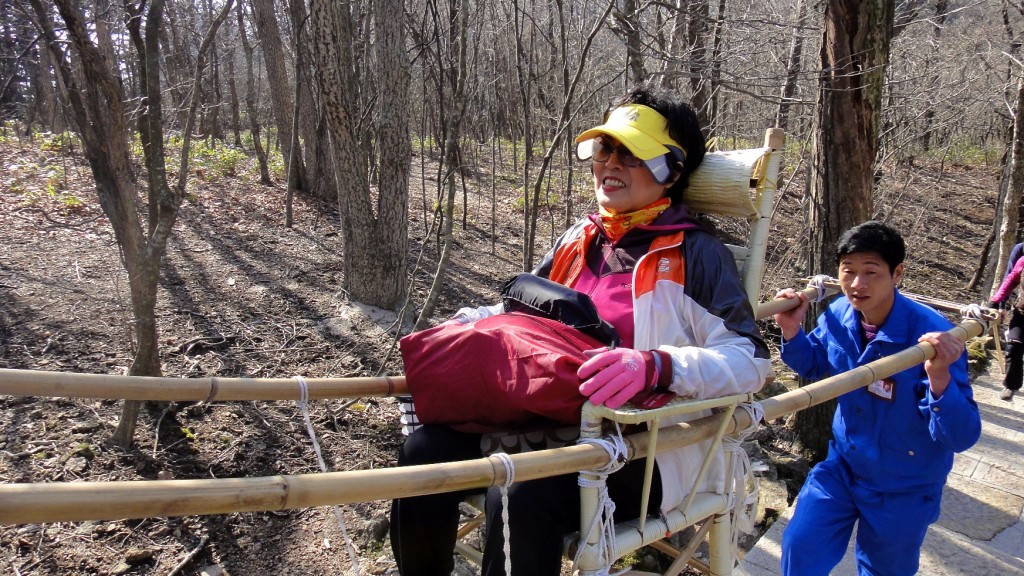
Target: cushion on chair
721,184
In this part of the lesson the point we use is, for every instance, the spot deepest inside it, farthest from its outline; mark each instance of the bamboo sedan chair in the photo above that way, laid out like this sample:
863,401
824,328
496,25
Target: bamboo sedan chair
736,184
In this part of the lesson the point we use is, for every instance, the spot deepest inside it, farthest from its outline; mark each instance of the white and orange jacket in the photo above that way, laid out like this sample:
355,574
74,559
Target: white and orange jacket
687,300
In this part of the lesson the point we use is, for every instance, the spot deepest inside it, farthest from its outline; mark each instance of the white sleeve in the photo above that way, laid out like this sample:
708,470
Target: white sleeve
719,363
467,315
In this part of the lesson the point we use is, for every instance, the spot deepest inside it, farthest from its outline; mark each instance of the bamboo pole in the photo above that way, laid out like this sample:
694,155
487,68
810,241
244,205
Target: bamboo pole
115,387
79,501
772,307
110,386
835,386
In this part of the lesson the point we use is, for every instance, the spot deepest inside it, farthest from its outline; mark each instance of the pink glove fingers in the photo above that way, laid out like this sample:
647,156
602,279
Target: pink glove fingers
598,361
612,377
606,383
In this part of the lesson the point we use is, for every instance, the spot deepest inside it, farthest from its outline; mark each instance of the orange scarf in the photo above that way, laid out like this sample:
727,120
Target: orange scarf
616,225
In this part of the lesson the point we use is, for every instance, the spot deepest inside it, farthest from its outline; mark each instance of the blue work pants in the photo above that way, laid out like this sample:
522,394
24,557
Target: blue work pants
891,526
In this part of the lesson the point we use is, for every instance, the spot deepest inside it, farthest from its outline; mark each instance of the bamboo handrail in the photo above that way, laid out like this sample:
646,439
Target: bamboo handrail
774,306
114,387
835,386
79,501
110,386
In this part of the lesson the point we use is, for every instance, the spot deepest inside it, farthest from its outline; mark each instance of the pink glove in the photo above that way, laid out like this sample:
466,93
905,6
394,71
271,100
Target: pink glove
612,377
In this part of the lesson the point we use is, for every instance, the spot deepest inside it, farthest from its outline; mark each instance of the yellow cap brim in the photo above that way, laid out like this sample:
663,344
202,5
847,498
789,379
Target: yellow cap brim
640,128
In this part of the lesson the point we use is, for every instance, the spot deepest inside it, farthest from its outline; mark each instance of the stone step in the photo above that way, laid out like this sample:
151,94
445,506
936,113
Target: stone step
945,552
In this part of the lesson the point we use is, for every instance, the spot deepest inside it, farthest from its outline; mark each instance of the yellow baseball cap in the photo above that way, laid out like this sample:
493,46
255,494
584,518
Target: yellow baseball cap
640,128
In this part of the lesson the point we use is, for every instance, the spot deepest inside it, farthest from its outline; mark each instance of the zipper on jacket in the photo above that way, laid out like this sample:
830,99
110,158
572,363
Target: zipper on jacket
569,338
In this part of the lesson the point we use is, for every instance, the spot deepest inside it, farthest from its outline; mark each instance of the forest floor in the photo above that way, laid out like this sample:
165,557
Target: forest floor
242,295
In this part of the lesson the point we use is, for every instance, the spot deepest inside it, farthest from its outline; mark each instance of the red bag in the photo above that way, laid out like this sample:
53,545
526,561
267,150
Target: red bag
497,373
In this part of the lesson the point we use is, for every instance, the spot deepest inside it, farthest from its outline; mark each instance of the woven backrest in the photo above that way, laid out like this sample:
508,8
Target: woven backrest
741,184
722,183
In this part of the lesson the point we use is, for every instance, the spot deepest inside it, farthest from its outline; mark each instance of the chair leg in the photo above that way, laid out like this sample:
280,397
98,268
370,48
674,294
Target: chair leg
469,553
720,546
686,554
470,525
463,548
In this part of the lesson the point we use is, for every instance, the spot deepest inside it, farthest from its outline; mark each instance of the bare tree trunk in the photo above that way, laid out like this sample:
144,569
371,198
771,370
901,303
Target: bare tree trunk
216,130
177,64
99,111
629,28
250,101
236,116
388,260
676,49
524,84
452,87
204,47
102,17
49,100
716,69
854,56
312,129
796,49
10,60
280,91
1006,208
941,6
1014,188
102,14
697,35
987,262
290,194
375,247
565,117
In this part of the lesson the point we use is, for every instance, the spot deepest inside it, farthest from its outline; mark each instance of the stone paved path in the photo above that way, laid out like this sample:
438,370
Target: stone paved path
980,532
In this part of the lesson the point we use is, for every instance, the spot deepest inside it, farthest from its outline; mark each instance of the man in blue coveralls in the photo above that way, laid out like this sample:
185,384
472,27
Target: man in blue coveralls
893,441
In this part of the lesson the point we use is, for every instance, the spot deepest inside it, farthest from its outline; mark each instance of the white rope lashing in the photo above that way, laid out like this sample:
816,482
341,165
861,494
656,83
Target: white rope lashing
604,521
975,312
818,283
743,503
506,533
304,406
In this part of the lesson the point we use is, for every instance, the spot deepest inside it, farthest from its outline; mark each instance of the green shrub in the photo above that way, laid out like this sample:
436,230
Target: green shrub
225,160
216,159
58,143
54,180
35,184
275,163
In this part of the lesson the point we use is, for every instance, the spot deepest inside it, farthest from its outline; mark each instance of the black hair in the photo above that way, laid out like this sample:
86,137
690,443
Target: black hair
683,127
873,236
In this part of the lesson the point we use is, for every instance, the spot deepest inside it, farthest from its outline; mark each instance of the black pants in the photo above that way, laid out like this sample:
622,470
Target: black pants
1014,367
541,512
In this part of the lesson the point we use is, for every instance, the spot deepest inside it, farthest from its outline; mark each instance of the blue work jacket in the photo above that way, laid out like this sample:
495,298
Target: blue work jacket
894,435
